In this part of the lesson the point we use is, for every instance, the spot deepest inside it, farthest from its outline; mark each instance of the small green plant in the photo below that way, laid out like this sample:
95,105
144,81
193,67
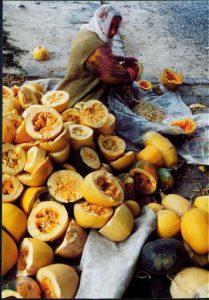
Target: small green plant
11,52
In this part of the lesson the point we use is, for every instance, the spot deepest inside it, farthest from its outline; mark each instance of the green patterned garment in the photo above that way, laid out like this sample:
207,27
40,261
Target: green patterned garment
81,84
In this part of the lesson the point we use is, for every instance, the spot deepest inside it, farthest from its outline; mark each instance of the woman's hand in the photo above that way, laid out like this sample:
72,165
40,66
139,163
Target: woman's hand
131,62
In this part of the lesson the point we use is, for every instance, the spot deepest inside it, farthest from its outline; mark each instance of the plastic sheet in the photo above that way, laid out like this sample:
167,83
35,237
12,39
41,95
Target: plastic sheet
131,127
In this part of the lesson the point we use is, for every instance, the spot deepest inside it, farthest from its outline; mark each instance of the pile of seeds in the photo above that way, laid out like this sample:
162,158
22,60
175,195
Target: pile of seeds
149,112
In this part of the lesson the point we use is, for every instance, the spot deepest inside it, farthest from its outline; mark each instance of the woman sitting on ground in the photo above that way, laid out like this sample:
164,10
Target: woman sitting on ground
92,68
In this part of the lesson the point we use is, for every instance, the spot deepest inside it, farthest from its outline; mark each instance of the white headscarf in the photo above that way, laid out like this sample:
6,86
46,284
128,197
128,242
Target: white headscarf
101,20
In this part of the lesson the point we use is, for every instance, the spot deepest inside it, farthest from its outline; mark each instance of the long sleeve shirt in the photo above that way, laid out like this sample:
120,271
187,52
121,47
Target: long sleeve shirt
106,66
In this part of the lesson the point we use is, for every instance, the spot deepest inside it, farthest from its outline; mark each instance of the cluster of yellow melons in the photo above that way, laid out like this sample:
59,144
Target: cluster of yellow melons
177,216
158,150
41,134
104,208
40,131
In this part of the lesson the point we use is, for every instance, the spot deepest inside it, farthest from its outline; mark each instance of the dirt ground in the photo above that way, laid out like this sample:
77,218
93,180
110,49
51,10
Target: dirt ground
146,33
12,79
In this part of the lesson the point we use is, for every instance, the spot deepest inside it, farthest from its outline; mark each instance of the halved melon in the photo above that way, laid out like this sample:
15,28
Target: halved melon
111,146
72,242
10,294
58,100
33,254
30,196
27,146
62,155
171,79
43,123
10,122
8,131
35,156
79,105
15,90
58,143
71,116
30,109
90,215
47,221
6,92
80,135
58,281
13,159
26,97
120,226
123,162
145,177
11,188
105,167
188,125
145,85
39,176
94,114
65,186
109,125
9,101
86,160
102,188
37,93
36,87
21,135
14,117
127,183
9,105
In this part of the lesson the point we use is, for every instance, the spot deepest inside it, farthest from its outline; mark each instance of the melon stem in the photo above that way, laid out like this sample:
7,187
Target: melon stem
162,195
170,277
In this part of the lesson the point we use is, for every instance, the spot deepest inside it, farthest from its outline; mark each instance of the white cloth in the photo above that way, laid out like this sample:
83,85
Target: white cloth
101,20
108,267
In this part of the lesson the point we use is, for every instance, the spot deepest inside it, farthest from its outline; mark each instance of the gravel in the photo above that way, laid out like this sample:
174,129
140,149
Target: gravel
189,19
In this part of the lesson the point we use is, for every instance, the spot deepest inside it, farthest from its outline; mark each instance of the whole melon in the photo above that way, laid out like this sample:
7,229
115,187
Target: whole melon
163,257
